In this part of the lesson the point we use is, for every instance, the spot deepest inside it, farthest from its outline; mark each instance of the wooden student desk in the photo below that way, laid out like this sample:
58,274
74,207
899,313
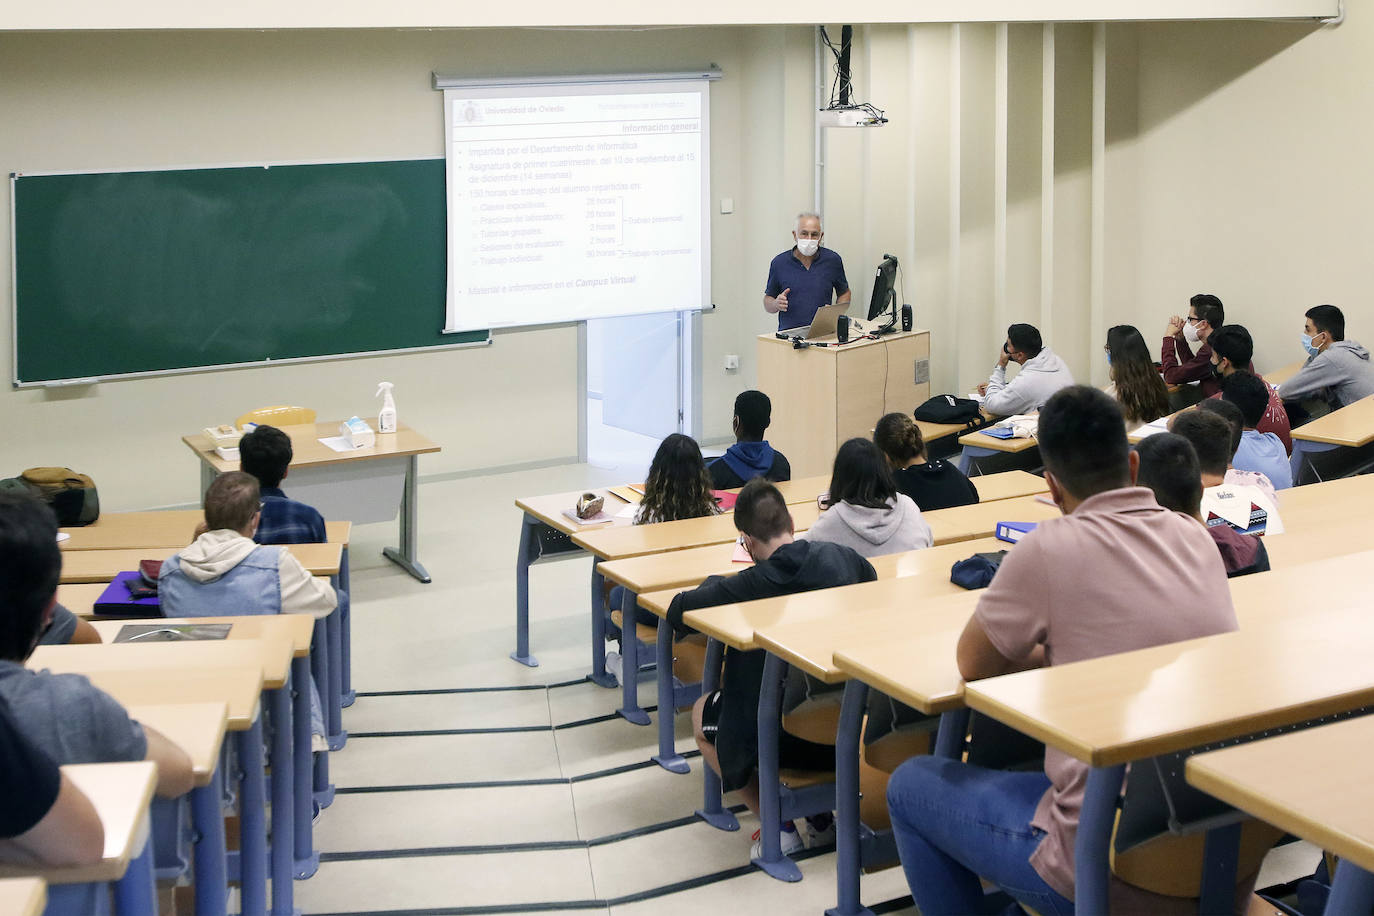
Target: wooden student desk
121,794
170,528
365,485
981,445
23,896
1111,711
1332,807
1350,427
104,565
294,782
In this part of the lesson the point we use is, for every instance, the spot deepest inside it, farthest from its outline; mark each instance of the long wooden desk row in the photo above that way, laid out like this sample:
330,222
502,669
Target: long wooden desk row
620,539
168,685
899,636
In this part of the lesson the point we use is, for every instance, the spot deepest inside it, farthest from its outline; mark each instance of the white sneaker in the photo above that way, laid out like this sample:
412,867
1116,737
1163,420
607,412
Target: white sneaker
615,666
791,842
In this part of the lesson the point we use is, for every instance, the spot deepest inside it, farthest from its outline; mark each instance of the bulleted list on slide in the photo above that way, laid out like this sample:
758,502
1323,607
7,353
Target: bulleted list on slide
562,206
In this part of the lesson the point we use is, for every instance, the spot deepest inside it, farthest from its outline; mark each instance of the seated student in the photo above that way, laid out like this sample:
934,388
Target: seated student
751,456
864,510
1215,460
1179,363
45,820
1258,451
63,714
726,721
1087,586
1337,370
223,573
678,487
67,629
266,454
1042,374
932,483
1232,349
1169,467
1135,383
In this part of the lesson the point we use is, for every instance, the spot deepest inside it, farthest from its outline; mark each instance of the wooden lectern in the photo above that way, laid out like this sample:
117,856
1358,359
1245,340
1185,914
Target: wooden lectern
824,395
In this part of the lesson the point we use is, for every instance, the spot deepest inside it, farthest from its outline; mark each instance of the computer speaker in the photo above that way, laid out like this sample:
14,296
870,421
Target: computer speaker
906,318
842,329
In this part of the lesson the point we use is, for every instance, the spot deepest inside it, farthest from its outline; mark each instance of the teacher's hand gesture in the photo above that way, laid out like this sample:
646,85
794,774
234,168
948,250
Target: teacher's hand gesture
781,299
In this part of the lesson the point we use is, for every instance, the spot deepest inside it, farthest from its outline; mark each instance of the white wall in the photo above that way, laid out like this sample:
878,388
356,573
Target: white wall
81,101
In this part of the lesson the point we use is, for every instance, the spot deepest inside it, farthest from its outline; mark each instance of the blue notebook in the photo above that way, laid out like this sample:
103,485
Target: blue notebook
1014,531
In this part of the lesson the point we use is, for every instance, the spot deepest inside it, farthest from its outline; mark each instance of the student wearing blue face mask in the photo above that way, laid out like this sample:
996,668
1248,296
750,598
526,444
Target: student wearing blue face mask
1136,384
1337,370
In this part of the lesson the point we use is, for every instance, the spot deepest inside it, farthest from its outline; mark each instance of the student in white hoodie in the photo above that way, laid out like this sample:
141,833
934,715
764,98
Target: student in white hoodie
225,573
864,510
1042,374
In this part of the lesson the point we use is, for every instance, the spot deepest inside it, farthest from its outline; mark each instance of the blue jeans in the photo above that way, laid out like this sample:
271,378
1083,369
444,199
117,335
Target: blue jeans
955,822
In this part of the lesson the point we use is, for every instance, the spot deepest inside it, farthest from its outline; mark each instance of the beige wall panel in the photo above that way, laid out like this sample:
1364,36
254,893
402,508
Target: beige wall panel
1073,199
1023,176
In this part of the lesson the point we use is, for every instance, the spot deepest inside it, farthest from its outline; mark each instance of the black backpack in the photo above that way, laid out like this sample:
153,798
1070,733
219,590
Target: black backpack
946,408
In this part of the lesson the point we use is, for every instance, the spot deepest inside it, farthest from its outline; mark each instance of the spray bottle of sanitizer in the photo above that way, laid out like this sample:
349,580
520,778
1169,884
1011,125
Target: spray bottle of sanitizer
386,420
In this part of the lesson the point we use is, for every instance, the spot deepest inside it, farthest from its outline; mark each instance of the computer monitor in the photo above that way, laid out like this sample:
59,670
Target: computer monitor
884,295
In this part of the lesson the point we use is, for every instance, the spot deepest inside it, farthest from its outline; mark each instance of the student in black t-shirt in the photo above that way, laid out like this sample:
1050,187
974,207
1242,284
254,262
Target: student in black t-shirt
726,721
751,456
932,483
44,818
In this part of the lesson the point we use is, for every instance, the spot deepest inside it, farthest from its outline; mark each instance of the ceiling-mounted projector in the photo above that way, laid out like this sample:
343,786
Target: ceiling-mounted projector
843,111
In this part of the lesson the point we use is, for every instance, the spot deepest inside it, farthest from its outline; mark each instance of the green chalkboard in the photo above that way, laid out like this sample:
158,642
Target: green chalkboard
137,272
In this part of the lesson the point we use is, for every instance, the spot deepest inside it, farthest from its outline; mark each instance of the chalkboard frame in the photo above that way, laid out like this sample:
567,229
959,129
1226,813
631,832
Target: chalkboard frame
71,381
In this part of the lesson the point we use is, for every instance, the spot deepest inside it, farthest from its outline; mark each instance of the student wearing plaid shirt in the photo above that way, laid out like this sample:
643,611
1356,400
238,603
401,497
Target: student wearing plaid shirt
265,453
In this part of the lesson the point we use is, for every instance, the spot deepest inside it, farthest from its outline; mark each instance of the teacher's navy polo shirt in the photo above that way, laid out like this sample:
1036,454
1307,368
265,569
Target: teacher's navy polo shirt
810,289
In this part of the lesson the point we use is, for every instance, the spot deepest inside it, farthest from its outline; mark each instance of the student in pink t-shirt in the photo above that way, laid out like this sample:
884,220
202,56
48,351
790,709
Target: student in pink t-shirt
1075,588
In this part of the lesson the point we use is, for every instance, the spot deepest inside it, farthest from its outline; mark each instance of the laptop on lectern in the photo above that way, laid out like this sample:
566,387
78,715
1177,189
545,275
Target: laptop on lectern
823,323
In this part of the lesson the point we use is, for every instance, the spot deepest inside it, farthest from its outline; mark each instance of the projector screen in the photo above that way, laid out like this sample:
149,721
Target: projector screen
572,200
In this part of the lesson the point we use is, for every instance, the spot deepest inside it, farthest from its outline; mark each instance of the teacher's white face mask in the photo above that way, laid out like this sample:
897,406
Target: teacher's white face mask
808,247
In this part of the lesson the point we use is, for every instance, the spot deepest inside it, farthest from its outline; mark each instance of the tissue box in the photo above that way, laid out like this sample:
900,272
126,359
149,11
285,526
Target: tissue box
357,433
228,452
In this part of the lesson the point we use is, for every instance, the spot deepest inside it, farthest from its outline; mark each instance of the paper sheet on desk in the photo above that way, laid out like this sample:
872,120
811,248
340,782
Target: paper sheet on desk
63,536
339,444
628,511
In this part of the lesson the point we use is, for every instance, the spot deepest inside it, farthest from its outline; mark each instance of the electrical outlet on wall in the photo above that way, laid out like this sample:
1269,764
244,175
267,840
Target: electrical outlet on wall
731,362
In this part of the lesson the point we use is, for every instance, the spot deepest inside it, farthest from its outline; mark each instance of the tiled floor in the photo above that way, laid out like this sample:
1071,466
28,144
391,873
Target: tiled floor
469,841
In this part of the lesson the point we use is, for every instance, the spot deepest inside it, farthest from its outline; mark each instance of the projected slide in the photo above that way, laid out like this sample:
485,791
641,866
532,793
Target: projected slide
574,206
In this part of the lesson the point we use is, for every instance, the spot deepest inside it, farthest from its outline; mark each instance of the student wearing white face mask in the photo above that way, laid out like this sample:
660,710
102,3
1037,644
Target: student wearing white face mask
1176,357
802,279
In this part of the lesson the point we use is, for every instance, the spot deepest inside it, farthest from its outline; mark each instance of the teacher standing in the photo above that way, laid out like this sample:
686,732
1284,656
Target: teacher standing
802,279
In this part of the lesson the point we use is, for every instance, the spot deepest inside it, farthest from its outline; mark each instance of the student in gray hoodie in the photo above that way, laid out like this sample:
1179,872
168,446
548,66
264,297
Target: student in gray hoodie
1337,370
864,510
1042,374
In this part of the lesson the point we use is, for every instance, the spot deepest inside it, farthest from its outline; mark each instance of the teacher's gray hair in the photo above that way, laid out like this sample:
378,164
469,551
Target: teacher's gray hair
806,214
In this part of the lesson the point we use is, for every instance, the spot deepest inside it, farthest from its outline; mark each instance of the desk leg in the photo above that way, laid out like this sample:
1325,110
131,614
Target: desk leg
599,675
333,681
283,800
1302,452
667,756
629,709
847,751
1352,891
712,811
1092,845
405,556
207,477
252,822
307,789
211,879
949,740
771,859
347,694
969,455
529,549
1220,859
136,893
